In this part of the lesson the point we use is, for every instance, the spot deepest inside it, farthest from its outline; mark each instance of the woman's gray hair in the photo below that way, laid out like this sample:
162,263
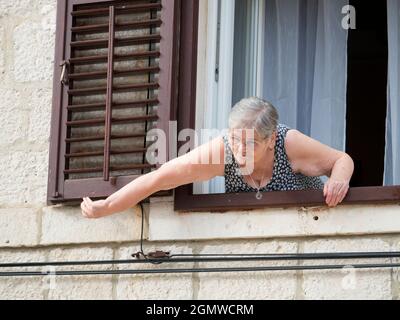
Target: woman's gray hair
254,113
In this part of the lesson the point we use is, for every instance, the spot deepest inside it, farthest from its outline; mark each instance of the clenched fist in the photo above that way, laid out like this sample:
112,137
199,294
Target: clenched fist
94,209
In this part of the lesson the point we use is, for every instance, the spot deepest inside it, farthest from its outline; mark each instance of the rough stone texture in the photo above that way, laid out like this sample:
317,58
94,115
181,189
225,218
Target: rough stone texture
165,223
24,8
38,65
23,176
56,287
40,116
13,8
155,286
347,283
2,50
247,284
396,271
18,227
13,118
32,287
62,224
80,286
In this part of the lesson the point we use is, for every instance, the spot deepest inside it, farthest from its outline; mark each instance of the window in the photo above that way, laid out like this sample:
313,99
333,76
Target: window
113,82
220,95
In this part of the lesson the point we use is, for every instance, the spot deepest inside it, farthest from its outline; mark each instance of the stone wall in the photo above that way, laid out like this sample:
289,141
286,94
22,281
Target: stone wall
32,231
310,284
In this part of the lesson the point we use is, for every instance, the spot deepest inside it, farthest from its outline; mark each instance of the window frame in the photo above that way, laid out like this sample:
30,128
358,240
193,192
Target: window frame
185,200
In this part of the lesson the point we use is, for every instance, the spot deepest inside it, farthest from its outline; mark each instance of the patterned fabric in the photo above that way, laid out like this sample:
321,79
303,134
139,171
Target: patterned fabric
283,177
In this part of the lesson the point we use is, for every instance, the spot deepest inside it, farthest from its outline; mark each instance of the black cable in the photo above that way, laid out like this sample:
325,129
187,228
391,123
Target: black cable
141,252
300,256
218,258
144,271
141,230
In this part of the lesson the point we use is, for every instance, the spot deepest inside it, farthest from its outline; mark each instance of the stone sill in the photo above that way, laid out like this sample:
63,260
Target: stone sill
165,224
63,225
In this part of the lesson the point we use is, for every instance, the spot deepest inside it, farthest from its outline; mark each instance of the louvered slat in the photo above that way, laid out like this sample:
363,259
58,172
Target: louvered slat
117,73
99,90
121,57
118,26
116,168
99,153
101,137
103,43
124,9
122,105
89,122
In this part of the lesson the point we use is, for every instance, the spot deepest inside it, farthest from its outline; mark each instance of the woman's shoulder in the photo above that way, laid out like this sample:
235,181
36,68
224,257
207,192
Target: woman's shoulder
283,128
224,139
291,145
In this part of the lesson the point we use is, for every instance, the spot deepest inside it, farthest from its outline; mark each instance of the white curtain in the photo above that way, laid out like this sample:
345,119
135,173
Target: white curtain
248,51
392,154
214,88
305,66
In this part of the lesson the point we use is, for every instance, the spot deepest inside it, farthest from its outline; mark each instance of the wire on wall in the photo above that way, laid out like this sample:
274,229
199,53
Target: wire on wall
162,257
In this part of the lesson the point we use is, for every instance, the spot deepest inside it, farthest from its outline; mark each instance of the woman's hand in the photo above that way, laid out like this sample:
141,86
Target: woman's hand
335,191
94,209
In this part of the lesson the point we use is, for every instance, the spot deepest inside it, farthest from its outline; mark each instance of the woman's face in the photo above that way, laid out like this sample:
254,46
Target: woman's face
248,146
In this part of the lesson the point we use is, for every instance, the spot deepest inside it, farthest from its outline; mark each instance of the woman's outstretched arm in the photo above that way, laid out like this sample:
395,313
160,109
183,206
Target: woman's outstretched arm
196,165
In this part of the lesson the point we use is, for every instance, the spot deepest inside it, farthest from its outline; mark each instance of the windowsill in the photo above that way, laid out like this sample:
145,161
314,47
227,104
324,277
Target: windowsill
295,221
185,200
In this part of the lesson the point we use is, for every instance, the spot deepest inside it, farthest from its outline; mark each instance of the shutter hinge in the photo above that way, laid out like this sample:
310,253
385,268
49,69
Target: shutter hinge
64,72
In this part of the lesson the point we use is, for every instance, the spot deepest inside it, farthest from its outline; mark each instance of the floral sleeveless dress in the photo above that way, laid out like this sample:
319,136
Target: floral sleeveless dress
283,177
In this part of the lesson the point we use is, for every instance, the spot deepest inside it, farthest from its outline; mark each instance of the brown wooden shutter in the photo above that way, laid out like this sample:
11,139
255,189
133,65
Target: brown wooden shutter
114,80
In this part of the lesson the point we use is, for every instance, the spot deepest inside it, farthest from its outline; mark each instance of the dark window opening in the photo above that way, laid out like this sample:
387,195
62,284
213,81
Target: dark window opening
367,92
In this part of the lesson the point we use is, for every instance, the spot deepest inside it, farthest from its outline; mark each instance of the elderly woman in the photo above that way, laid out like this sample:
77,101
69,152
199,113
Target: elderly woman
275,157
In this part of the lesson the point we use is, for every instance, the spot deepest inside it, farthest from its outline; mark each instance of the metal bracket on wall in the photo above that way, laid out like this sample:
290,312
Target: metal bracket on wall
64,72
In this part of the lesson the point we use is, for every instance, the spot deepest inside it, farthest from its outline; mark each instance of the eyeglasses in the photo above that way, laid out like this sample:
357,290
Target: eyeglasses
250,144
